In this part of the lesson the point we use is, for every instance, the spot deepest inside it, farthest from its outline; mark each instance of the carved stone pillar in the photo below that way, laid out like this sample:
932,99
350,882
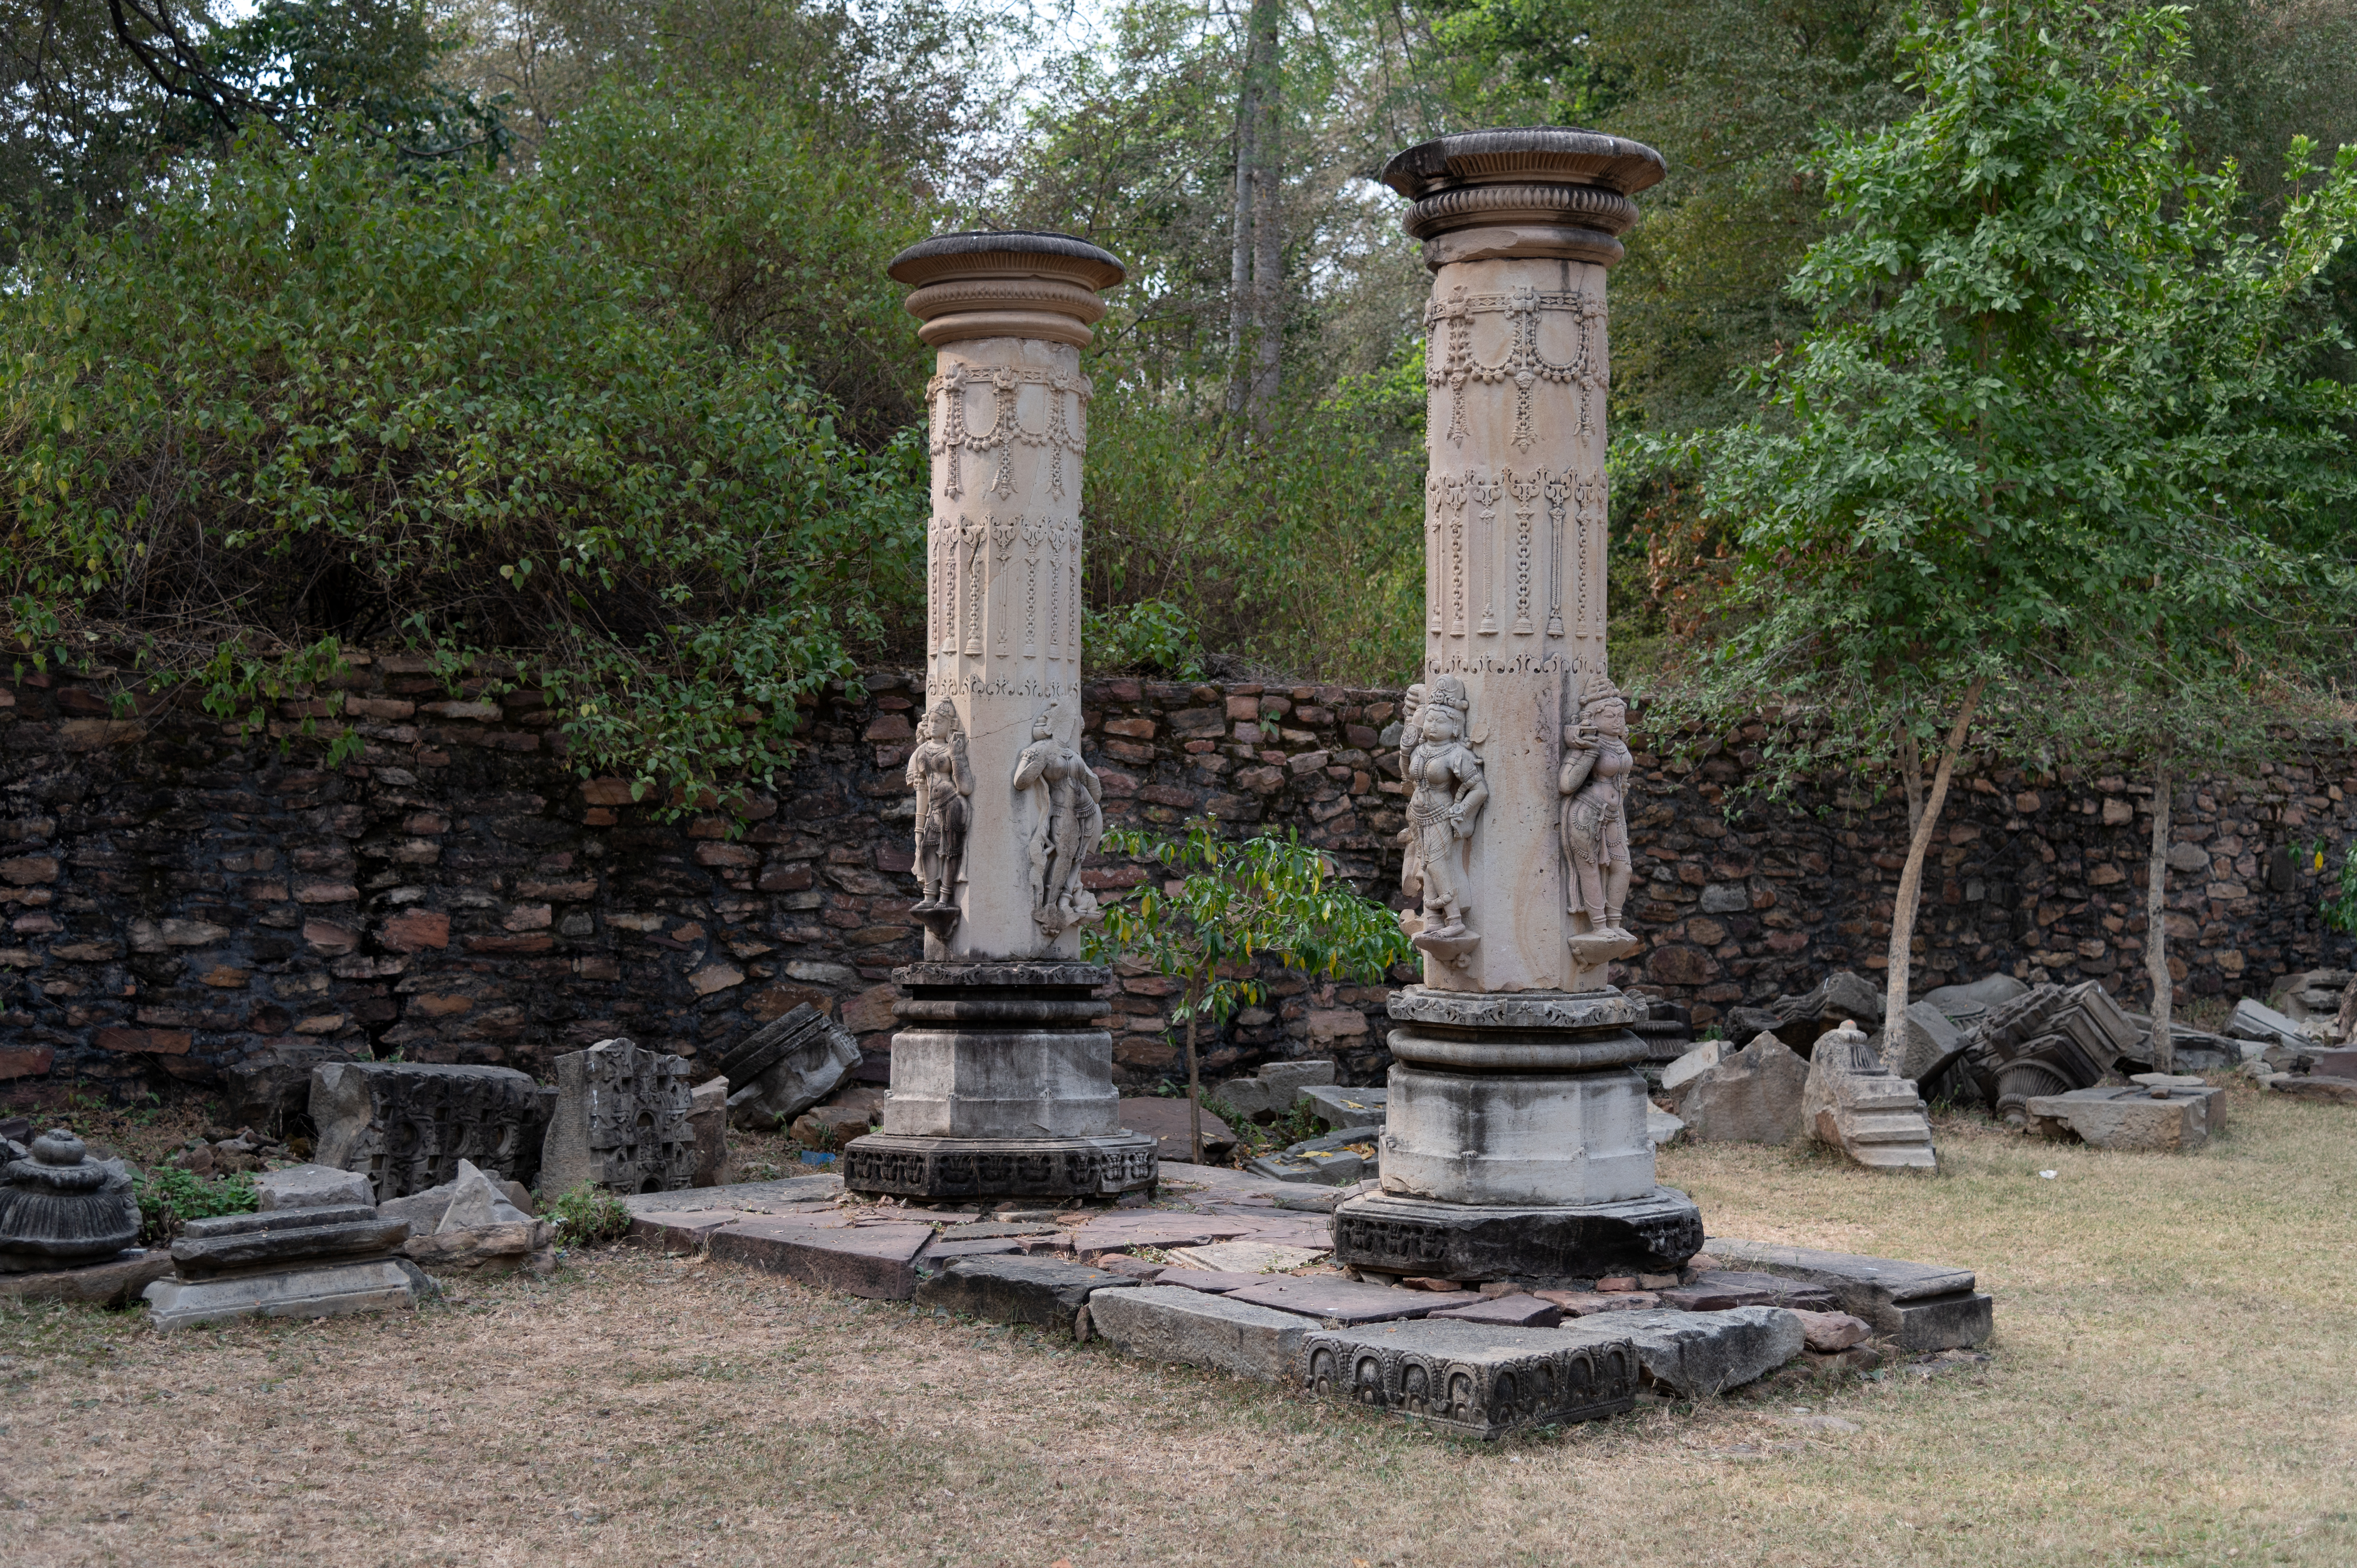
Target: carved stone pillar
1001,1085
1515,1144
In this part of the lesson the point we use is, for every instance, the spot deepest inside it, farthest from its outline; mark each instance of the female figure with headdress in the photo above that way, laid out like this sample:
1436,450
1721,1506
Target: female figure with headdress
1594,823
1450,791
1067,822
943,778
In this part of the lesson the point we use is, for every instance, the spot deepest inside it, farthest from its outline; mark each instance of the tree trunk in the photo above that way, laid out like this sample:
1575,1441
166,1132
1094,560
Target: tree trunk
1260,156
1911,885
1194,1082
2155,920
1239,291
1911,776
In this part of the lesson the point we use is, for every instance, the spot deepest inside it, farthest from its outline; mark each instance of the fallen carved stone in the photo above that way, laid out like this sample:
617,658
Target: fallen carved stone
621,1122
406,1125
787,1066
1854,1102
60,1208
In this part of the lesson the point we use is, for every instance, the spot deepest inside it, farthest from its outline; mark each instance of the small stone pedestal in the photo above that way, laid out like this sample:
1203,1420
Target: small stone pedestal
1002,1087
1516,1145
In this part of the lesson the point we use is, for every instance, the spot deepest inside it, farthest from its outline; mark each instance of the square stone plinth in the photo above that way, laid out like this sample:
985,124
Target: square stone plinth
1516,1139
1653,1234
1002,1083
1471,1378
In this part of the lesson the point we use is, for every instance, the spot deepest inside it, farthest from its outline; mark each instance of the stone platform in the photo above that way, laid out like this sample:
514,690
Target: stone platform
1546,1247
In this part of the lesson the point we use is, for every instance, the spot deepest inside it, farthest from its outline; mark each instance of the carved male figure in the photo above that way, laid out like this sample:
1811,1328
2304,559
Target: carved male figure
1595,824
1449,792
942,777
1067,822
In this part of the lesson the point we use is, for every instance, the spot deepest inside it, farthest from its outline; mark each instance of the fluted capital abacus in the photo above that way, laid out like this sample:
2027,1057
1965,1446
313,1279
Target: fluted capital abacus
1013,283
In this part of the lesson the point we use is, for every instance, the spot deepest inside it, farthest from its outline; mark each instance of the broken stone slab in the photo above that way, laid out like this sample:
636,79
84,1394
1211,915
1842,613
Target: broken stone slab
2339,1063
1120,1232
311,1186
115,1283
1328,1167
621,1123
323,1290
788,1195
1930,1043
1041,1292
1165,1120
406,1125
2313,1086
1270,1092
1750,1096
1216,1282
1854,1102
1517,1310
1924,1306
1478,1379
232,1242
476,1201
1169,1323
1588,1303
942,1251
681,1232
1967,1006
501,1249
1348,1301
1342,1108
1831,1331
2256,1021
1715,1290
1660,1127
1679,1074
786,1067
1247,1257
1799,1020
1701,1355
1111,1263
2165,1118
878,1261
707,1124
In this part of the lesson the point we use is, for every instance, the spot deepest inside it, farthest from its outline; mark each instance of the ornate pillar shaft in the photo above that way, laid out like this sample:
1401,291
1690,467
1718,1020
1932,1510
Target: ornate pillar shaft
1001,1085
1515,1146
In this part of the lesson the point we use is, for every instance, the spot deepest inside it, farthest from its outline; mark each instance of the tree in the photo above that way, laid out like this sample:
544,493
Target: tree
1231,903
1994,467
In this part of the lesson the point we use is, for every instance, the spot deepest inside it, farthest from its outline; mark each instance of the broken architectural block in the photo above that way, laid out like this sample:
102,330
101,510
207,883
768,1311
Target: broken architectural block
2165,1116
621,1122
1174,1323
1924,1306
1699,1355
1854,1102
1343,1109
784,1067
1475,1378
406,1125
295,1263
1270,1093
2048,1040
1043,1292
1750,1096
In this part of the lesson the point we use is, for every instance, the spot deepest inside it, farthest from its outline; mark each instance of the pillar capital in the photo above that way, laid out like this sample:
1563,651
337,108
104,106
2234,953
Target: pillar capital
1013,283
1529,190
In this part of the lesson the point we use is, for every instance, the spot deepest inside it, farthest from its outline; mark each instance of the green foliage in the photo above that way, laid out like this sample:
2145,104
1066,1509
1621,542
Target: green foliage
1235,902
587,1215
1152,635
320,399
170,1196
2055,413
2339,908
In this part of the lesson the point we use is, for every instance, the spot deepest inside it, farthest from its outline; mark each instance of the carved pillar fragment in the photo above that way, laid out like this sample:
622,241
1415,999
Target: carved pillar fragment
1516,1144
1002,1085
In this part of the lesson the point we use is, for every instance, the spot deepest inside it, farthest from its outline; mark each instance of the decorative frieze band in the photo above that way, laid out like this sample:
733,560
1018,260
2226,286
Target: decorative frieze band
945,394
1451,361
1461,528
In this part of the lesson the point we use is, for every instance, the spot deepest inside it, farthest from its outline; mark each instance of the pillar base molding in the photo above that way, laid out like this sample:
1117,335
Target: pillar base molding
1547,1248
908,1167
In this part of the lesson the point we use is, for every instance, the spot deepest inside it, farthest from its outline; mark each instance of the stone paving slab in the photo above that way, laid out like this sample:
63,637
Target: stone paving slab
1700,1354
1475,1378
682,1230
110,1284
873,1260
750,1196
1168,1322
320,1290
1588,1303
980,1232
1044,1292
1923,1306
1718,1289
1149,1227
1508,1310
1216,1281
1348,1301
973,1247
1247,1257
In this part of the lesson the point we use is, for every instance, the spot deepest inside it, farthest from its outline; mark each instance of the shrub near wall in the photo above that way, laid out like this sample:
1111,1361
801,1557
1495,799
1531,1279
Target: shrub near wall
183,902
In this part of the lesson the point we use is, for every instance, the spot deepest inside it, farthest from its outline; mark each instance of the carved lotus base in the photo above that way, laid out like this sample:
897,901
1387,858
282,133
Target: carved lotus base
1546,1247
1474,1378
913,1166
1453,947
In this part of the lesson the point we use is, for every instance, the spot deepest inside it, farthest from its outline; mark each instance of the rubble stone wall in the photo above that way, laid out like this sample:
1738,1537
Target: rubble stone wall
180,898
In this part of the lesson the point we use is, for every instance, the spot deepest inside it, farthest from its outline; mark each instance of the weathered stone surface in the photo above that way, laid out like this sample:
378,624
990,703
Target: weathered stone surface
1164,1120
708,1121
2315,1086
112,1283
232,1242
1328,1295
1271,1093
786,1067
406,1125
942,1251
328,1290
1247,1257
1691,1066
1475,1379
1120,1232
1830,1331
1166,1323
1798,1020
1462,1242
919,1166
1516,1311
1538,1140
270,1086
620,1122
2254,1020
1042,1292
1929,1043
487,1249
1715,1290
1218,1282
873,1260
1923,1306
2169,1119
1344,1109
59,1208
1701,1354
1588,1303
1752,1096
476,1201
311,1186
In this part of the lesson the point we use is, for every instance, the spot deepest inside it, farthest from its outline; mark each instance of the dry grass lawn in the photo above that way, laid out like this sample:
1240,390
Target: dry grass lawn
2169,1383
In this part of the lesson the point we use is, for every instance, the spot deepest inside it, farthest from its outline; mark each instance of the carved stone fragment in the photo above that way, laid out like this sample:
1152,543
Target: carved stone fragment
621,1122
61,1209
406,1125
1854,1103
786,1067
1474,1378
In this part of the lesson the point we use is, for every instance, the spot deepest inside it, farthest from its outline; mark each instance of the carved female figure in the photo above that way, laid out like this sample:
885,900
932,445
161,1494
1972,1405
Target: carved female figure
1594,823
942,777
1067,822
1450,791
